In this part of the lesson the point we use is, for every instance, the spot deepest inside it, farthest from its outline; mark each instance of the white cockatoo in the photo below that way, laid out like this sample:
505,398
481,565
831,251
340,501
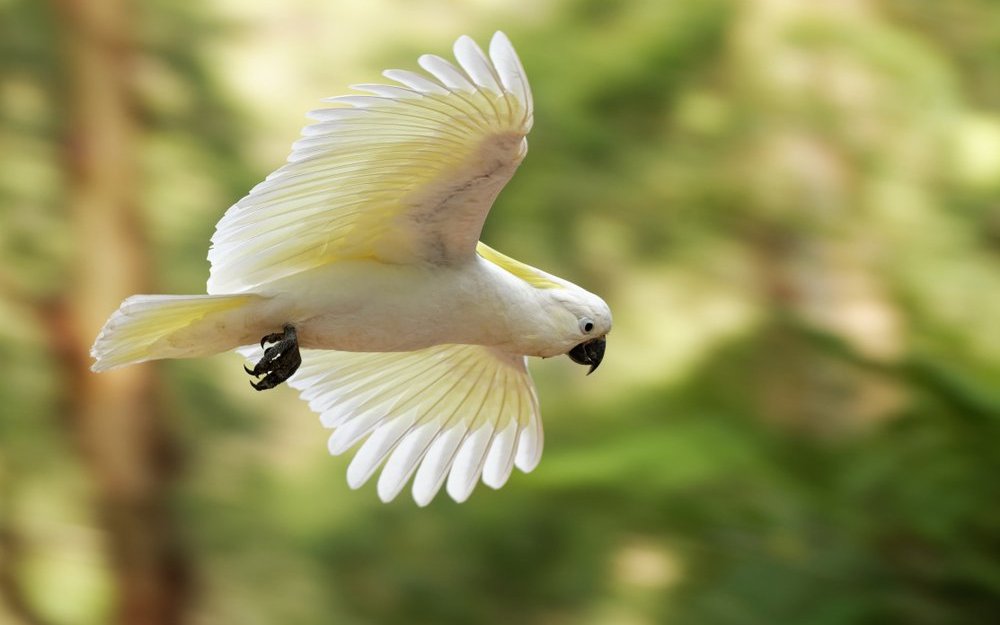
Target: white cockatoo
363,250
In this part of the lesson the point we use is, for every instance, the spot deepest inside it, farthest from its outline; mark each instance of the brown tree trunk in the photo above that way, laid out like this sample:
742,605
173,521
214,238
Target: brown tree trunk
113,416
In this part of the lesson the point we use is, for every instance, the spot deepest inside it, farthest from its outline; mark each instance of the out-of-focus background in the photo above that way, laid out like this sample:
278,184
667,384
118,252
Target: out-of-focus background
793,209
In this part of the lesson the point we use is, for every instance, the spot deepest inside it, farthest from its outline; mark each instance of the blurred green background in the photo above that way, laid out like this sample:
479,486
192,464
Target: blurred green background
793,209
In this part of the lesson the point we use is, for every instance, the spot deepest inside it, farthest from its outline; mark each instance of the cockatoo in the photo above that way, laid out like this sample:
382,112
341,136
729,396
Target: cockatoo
363,250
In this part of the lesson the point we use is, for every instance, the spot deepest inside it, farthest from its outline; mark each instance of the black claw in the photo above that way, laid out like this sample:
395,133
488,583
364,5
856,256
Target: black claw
279,362
273,338
266,383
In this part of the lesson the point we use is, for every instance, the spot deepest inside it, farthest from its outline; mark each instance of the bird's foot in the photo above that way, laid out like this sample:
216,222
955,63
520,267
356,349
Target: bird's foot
280,361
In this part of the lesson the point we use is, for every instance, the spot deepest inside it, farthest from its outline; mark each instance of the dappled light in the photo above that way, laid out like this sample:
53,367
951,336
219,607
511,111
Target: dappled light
792,209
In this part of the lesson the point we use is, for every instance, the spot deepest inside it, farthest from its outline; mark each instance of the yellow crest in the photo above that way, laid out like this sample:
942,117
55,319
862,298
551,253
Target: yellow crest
525,272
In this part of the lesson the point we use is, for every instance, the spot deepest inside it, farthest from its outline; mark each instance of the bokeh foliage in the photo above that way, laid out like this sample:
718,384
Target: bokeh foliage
794,212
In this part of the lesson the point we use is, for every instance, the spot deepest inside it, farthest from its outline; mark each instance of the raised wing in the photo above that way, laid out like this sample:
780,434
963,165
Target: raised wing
450,413
406,174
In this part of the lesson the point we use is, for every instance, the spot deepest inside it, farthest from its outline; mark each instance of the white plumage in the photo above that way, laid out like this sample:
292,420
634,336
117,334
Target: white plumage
414,334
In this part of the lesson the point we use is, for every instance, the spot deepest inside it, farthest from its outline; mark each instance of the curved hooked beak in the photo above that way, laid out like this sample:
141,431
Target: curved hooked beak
589,353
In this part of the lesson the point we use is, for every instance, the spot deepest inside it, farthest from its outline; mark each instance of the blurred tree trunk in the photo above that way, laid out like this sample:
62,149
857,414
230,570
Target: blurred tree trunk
113,416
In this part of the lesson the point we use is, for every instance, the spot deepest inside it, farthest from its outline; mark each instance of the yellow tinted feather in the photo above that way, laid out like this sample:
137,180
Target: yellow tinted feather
529,274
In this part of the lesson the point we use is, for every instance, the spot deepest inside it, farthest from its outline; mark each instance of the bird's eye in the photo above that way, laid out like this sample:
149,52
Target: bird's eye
586,325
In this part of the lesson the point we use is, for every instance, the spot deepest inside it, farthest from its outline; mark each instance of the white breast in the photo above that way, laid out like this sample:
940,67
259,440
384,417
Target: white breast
376,307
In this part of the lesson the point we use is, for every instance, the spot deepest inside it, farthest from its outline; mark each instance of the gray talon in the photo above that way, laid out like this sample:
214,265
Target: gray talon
279,362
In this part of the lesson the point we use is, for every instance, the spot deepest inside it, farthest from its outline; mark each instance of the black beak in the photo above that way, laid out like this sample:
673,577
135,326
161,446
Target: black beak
589,353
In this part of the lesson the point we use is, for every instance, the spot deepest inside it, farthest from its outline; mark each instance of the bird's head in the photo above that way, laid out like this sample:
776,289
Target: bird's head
582,321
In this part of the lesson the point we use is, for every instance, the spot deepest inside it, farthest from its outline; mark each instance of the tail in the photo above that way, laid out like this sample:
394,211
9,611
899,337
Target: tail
149,327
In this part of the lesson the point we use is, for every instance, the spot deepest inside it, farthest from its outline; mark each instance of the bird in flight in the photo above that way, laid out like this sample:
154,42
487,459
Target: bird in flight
357,269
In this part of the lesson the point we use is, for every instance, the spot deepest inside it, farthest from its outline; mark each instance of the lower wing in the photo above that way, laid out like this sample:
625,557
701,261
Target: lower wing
450,413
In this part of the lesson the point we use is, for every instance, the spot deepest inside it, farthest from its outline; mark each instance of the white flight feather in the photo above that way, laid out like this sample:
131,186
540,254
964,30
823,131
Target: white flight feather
500,460
415,81
512,74
450,414
404,459
374,450
433,470
468,462
387,91
470,56
446,73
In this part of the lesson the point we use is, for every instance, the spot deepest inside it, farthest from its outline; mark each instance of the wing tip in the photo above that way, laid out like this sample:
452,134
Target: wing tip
501,39
423,491
511,72
423,501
